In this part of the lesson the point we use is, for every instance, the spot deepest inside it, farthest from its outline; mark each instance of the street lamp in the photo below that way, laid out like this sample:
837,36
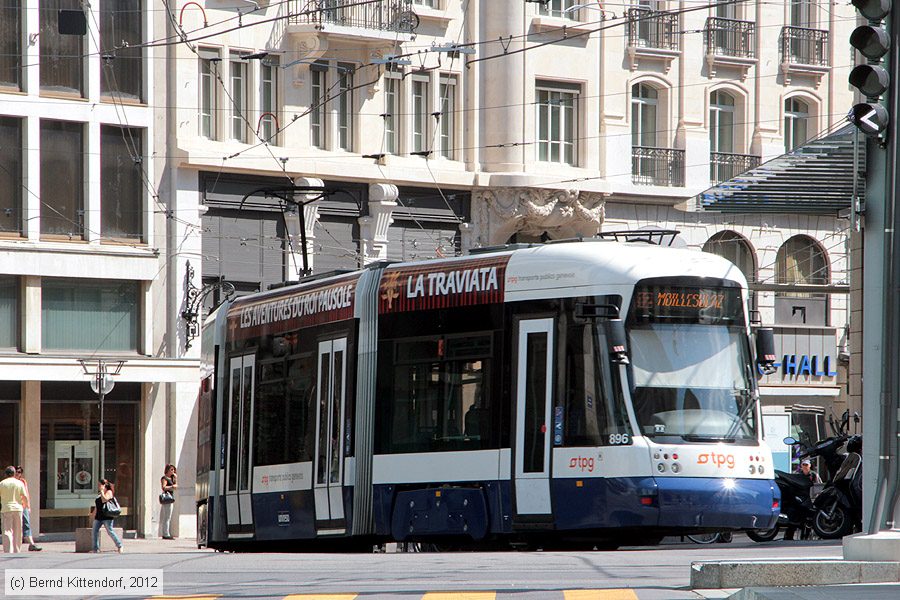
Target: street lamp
102,383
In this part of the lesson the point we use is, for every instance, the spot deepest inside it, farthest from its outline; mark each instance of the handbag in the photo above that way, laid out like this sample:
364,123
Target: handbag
166,498
111,508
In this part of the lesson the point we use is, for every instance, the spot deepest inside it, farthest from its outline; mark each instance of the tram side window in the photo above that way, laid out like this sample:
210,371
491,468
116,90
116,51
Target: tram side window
440,396
284,396
594,417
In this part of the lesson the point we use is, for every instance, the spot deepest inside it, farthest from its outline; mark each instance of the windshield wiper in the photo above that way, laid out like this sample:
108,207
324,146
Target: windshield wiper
693,437
739,421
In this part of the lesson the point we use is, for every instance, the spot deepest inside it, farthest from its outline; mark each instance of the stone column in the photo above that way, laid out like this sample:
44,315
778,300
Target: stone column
500,213
30,447
373,228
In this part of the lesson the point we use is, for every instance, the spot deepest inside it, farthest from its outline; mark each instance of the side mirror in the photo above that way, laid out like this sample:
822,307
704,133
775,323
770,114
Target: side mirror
789,441
615,338
765,350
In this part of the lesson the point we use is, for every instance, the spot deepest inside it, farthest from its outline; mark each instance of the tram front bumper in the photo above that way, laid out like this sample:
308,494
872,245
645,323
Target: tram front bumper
717,503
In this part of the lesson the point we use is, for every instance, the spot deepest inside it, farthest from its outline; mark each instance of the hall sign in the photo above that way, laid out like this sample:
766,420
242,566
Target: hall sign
795,365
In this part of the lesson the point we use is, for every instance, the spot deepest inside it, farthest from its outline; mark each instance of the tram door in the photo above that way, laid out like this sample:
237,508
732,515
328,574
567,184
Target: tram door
534,392
238,467
330,450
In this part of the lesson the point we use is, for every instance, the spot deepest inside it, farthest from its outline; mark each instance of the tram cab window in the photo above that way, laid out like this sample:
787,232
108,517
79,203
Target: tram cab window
440,398
595,412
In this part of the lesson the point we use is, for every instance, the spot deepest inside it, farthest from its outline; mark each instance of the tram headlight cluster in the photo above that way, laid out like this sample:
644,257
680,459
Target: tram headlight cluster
754,469
662,467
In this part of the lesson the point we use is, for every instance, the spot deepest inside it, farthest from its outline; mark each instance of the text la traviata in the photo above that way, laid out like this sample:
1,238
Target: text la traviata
421,288
320,306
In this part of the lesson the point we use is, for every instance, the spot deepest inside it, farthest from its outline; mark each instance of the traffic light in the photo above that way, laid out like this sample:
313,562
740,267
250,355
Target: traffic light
872,79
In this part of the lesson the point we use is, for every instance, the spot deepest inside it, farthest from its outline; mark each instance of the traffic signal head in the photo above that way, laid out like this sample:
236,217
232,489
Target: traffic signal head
871,80
872,42
873,10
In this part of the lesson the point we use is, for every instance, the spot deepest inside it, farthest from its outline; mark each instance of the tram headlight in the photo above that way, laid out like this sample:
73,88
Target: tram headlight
661,467
729,484
676,467
762,469
753,470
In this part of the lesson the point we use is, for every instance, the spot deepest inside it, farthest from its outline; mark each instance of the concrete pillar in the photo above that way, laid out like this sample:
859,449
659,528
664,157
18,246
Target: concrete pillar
31,309
30,446
373,228
151,458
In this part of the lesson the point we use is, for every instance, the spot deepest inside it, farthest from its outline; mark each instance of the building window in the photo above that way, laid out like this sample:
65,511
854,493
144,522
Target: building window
9,313
318,75
121,183
62,179
796,123
420,104
721,122
557,121
238,89
209,98
11,15
567,9
427,3
392,115
268,100
448,117
89,315
62,56
644,104
345,106
803,13
801,261
733,247
10,175
121,38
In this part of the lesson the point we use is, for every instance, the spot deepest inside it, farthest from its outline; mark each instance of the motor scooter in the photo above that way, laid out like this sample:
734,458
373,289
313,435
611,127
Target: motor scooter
797,511
839,505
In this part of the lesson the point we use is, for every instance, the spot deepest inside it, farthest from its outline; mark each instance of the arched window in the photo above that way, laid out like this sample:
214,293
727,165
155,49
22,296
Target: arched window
734,247
801,261
721,122
796,123
644,108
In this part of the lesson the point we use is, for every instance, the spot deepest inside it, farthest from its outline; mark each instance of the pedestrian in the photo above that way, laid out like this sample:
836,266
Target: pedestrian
806,469
13,500
27,537
168,483
106,491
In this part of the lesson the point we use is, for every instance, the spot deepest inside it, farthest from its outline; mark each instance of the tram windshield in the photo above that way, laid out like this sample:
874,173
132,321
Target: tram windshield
691,365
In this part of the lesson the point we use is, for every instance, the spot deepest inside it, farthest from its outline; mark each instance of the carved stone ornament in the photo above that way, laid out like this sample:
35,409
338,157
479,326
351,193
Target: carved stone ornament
498,214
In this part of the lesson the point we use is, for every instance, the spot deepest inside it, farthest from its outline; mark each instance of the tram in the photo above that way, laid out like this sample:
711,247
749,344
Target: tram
591,392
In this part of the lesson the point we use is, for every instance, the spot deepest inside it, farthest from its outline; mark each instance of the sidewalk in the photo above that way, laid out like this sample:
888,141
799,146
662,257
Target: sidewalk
132,546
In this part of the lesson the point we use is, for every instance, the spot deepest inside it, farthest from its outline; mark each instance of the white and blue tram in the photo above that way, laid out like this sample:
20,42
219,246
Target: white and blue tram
589,392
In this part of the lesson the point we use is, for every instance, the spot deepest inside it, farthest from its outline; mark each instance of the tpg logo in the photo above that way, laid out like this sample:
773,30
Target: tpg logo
717,459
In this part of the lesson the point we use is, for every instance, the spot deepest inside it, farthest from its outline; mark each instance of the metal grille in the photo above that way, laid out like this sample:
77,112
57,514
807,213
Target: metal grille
657,166
730,37
651,29
724,165
803,46
389,15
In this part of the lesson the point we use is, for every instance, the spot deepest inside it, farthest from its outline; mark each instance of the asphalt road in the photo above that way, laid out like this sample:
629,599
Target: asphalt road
648,573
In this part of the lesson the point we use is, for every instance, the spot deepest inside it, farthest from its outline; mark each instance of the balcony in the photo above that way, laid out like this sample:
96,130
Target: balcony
804,50
657,166
725,165
730,43
374,20
652,35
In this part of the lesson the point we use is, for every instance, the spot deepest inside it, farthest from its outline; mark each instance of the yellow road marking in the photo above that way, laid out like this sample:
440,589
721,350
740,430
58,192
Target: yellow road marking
320,597
200,597
599,595
460,596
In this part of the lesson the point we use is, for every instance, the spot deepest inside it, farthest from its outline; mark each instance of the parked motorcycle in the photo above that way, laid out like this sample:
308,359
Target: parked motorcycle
839,505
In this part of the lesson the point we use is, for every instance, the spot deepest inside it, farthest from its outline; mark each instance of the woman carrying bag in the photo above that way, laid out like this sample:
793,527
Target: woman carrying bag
105,509
169,483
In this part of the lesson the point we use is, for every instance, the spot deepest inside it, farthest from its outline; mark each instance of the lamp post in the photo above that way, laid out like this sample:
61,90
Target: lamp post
102,383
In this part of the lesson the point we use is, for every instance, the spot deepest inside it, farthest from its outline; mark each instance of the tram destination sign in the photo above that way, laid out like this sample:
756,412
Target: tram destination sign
709,305
294,308
442,285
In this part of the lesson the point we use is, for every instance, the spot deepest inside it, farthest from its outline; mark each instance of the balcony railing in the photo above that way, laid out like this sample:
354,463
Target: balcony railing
724,165
657,166
803,46
730,37
651,29
388,15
